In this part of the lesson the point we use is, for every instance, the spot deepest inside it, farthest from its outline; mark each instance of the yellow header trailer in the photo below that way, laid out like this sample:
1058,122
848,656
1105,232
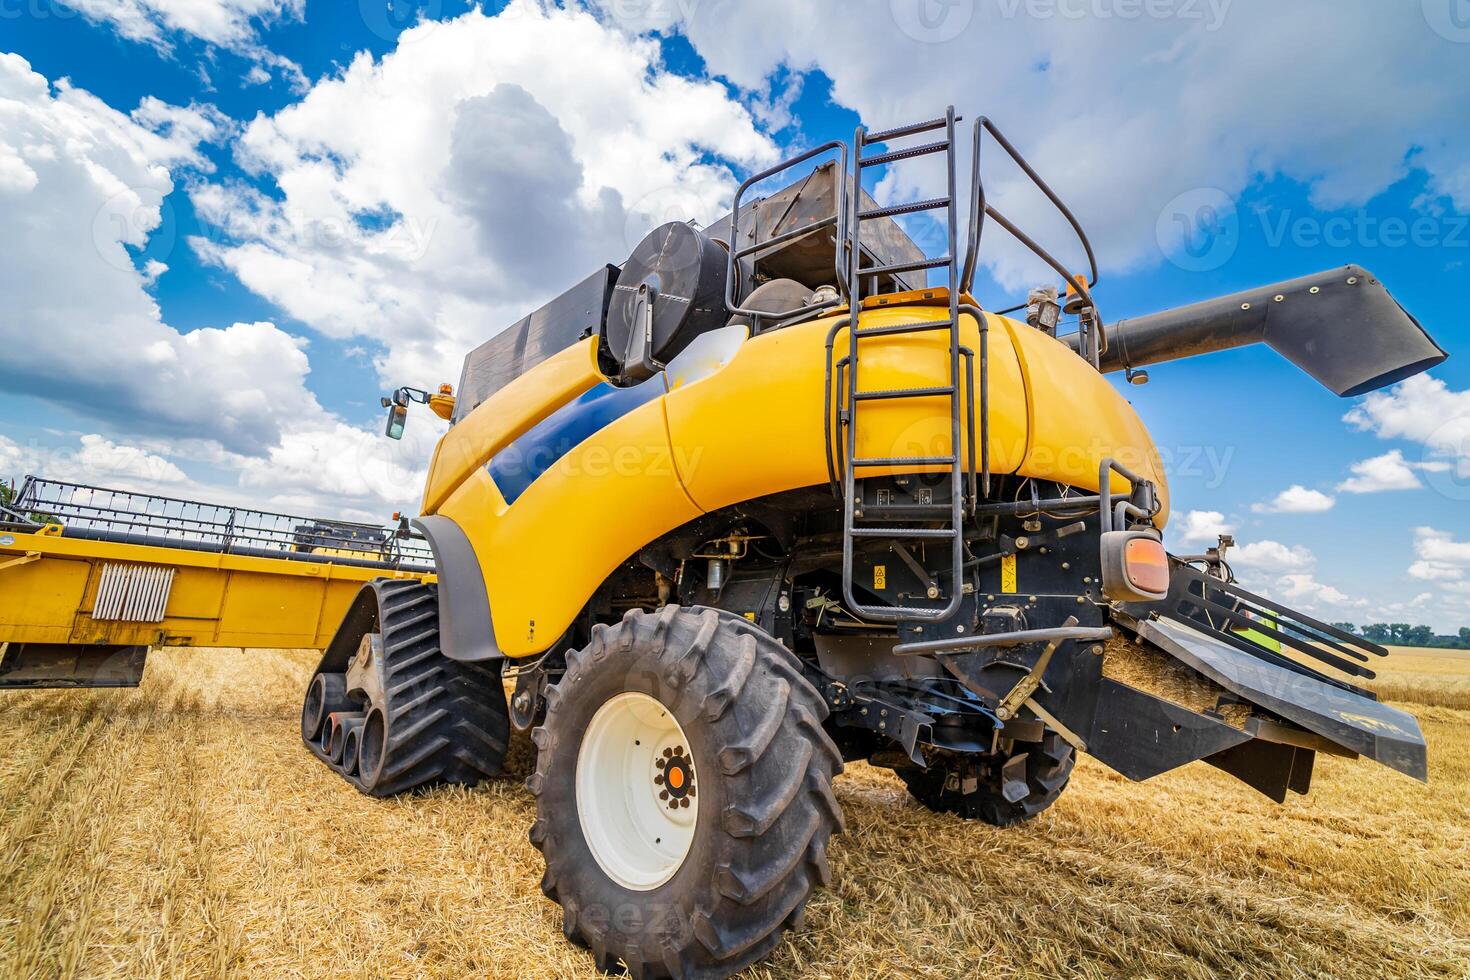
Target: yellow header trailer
91,579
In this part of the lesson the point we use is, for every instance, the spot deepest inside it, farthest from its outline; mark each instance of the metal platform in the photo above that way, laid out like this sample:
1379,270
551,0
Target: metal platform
125,517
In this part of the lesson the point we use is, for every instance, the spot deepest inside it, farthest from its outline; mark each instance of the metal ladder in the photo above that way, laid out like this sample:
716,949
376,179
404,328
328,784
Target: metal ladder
854,527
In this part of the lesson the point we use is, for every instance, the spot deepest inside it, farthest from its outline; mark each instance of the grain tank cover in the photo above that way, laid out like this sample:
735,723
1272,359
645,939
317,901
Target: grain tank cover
671,290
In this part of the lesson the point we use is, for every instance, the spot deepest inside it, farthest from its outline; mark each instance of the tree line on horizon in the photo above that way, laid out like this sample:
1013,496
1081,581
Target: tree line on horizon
1406,635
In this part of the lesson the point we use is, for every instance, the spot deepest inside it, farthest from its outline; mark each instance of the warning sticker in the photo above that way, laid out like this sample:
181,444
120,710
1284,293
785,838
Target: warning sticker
1008,573
880,577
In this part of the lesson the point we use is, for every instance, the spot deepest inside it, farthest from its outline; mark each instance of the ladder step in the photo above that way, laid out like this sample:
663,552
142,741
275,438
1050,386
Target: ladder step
913,207
908,154
904,532
913,129
864,396
905,461
897,328
899,612
898,267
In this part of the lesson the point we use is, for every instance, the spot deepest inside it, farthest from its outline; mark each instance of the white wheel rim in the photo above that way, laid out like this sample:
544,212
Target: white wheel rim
632,743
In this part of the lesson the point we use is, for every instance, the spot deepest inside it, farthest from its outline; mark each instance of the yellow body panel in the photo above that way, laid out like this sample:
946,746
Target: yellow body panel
756,427
514,409
544,556
749,428
50,588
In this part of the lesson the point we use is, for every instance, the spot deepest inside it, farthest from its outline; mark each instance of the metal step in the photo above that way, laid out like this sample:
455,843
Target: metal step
913,207
901,267
903,532
913,129
898,328
864,396
904,461
907,154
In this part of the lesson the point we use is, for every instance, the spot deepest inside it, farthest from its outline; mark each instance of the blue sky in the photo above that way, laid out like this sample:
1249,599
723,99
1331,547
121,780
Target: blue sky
233,227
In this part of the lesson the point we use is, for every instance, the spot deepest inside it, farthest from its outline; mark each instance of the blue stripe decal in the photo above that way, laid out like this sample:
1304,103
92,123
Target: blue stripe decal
518,465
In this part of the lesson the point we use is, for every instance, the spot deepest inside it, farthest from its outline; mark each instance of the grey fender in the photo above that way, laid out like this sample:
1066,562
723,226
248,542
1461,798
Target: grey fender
466,631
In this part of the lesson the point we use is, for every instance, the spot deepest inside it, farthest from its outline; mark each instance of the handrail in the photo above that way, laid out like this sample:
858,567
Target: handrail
838,221
980,209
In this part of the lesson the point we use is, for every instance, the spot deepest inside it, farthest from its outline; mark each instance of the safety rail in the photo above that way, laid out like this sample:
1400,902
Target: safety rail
127,517
836,221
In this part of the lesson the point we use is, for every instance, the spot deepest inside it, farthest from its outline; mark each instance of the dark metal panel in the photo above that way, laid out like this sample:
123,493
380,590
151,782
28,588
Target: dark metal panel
43,665
575,314
1357,723
466,631
1142,736
1270,768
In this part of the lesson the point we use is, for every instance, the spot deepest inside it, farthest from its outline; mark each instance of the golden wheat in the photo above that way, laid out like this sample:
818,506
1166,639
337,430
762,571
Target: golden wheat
181,830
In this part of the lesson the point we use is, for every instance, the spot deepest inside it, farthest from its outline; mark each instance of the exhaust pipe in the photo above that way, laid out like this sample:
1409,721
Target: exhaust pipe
1340,326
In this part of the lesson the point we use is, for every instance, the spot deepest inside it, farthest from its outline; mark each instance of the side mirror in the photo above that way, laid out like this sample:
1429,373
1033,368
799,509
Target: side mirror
397,418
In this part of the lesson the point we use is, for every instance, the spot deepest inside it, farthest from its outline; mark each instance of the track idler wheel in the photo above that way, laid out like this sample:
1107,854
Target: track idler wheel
396,713
326,694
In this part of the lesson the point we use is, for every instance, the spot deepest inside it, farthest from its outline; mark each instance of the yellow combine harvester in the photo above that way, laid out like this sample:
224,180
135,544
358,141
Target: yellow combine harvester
763,500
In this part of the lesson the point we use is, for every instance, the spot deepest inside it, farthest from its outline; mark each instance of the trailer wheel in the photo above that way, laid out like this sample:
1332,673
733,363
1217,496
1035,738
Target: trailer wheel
683,793
1001,790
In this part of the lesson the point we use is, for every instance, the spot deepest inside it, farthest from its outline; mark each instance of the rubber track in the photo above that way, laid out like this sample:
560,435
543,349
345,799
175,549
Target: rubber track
447,721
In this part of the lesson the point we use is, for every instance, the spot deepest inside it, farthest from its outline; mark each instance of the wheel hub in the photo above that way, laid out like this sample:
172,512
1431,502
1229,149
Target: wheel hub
675,779
637,794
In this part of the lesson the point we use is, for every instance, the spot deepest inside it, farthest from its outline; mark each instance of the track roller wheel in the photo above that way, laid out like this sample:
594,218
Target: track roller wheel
420,718
326,694
1003,789
683,793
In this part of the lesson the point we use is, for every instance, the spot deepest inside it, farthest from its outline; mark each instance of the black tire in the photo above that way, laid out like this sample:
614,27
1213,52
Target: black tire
766,807
942,787
441,720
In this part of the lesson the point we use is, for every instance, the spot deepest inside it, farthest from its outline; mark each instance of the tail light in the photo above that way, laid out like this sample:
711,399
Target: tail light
1135,567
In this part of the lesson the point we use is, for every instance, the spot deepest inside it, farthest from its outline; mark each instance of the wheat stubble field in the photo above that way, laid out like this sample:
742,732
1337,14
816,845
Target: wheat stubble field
181,830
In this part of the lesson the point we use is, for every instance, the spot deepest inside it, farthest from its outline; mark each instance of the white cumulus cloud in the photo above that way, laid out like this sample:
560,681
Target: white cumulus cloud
81,331
1423,410
1200,527
1380,473
1272,557
1296,499
431,198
